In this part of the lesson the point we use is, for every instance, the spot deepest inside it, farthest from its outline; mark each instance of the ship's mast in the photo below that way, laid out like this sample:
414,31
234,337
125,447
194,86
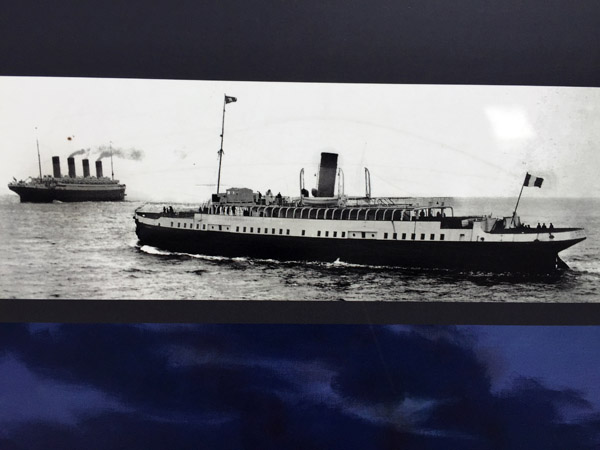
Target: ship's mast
512,220
38,152
227,99
112,172
340,182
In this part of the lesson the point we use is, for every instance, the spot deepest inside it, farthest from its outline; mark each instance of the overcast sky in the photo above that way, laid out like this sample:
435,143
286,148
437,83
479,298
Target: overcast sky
416,140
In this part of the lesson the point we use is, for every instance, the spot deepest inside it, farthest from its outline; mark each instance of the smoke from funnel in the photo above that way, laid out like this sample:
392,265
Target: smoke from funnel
79,152
130,153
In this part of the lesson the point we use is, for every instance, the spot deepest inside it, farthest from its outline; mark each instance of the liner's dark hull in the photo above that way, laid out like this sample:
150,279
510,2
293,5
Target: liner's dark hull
47,195
485,256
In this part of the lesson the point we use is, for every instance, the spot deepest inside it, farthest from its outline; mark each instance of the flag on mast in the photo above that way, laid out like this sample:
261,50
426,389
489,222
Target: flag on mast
530,180
229,99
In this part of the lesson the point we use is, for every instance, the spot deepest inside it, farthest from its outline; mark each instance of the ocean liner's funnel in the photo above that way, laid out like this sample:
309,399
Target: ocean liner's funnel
99,169
86,168
56,166
71,164
327,172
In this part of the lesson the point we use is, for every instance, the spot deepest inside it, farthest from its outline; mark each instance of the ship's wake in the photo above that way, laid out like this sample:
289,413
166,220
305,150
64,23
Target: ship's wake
154,251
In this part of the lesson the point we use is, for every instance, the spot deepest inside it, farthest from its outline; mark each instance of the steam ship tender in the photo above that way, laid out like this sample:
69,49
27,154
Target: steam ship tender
404,232
71,188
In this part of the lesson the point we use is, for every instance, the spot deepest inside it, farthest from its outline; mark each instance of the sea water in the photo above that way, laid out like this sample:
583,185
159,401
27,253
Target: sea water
90,251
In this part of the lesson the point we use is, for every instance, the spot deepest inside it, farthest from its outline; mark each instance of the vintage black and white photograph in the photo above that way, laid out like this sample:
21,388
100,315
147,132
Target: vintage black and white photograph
174,189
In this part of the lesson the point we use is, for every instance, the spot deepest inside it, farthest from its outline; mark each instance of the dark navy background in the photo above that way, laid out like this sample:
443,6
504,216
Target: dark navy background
362,387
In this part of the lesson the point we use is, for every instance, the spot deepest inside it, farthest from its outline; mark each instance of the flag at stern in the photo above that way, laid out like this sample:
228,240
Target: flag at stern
530,180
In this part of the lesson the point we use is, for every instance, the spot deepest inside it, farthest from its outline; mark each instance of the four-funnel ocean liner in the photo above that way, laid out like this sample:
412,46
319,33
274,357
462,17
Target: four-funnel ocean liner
69,188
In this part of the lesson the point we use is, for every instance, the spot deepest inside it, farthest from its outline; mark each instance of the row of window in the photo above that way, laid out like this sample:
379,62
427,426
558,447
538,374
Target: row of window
413,236
343,233
394,236
191,225
259,230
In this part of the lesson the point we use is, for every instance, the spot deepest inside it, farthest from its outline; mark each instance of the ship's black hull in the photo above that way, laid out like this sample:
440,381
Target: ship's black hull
48,195
527,257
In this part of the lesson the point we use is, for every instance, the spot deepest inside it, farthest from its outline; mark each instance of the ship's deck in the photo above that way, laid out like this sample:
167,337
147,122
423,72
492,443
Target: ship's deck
360,212
51,181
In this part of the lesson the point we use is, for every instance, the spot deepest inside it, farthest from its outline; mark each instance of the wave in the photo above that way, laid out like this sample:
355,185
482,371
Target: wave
157,251
590,267
154,251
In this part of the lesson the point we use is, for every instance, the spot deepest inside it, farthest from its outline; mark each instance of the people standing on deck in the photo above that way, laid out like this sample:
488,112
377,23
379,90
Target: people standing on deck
268,197
278,197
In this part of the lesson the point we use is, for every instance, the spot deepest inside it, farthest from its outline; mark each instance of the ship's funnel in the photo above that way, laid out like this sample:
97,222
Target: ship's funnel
71,164
327,171
86,168
99,169
56,166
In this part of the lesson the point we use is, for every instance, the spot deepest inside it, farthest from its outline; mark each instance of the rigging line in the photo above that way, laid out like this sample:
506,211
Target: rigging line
403,132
